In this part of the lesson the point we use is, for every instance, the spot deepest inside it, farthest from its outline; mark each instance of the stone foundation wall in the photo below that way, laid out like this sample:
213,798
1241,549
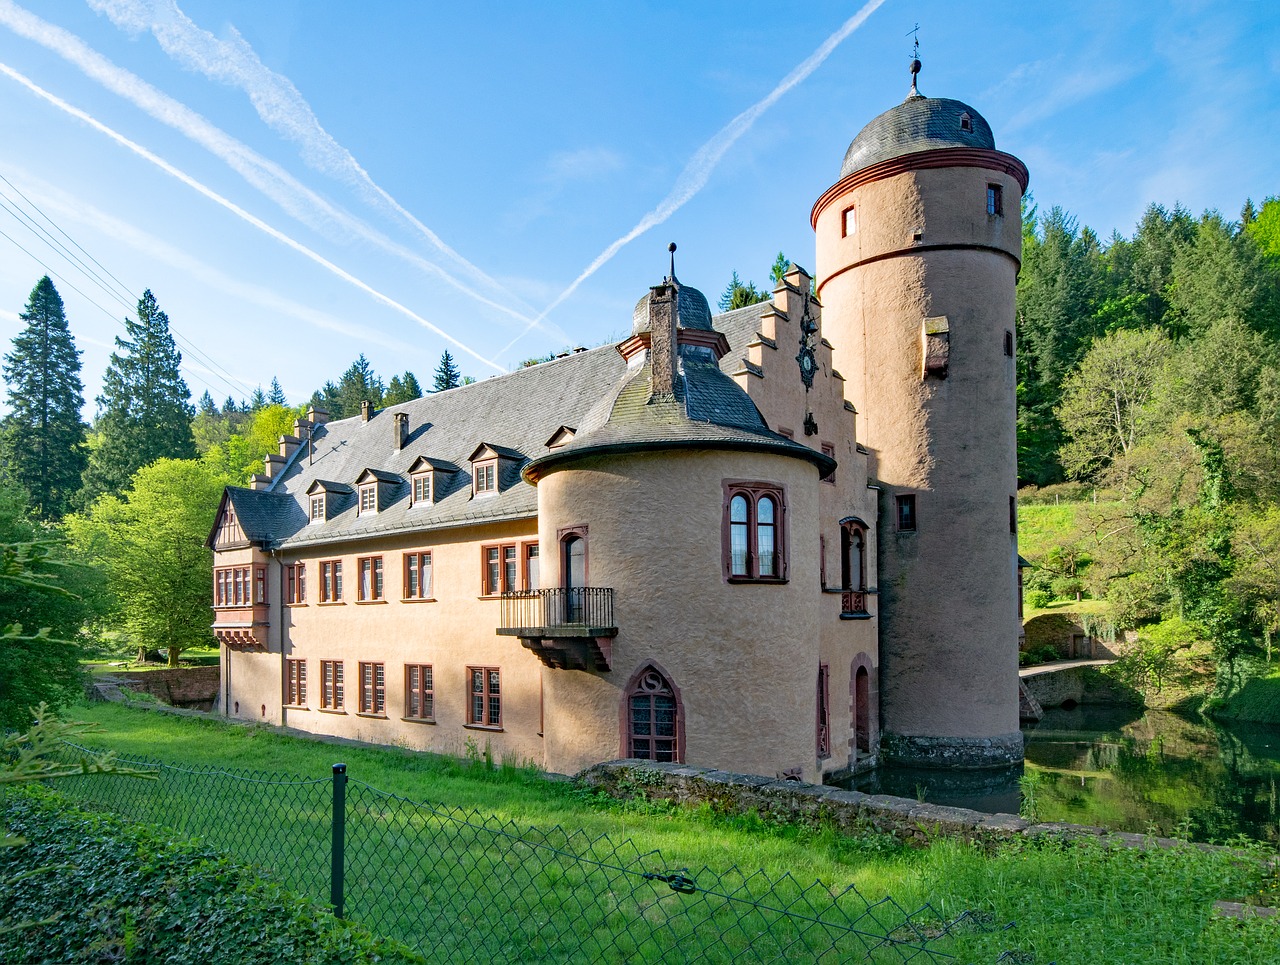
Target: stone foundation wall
192,687
821,805
1081,685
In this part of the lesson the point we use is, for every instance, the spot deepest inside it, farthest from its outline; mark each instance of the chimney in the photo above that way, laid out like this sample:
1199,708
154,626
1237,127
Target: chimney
662,342
366,411
400,431
289,444
317,417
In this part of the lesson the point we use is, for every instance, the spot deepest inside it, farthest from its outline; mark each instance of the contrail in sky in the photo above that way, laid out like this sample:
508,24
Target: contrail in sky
698,171
268,177
278,102
241,213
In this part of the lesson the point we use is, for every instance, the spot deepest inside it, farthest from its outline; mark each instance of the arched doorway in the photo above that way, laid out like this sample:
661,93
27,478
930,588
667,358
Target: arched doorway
862,712
574,570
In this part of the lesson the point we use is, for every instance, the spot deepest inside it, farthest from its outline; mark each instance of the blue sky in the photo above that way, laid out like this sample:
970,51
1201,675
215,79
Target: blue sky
302,182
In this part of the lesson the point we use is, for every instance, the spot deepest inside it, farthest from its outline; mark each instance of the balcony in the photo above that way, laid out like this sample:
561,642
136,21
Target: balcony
568,628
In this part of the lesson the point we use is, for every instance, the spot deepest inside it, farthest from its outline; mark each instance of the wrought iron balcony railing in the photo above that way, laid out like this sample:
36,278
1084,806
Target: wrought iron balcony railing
580,611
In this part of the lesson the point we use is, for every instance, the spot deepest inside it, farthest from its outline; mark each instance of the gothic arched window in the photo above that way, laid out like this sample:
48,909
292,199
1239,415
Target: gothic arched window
653,724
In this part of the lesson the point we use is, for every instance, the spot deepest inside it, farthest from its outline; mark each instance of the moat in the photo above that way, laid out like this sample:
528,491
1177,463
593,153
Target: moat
1122,768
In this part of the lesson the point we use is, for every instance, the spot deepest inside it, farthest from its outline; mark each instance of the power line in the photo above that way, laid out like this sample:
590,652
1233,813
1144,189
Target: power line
66,281
209,364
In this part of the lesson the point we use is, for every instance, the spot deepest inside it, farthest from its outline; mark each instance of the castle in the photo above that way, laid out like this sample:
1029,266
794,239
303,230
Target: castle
780,540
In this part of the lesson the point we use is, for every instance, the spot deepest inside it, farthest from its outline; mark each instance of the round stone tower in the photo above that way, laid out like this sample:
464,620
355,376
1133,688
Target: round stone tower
918,250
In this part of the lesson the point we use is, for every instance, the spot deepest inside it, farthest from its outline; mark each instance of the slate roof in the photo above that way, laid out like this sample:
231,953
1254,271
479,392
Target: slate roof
917,124
516,415
692,309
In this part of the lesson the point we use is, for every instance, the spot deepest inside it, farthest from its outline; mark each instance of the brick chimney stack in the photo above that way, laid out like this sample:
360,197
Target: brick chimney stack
662,342
400,430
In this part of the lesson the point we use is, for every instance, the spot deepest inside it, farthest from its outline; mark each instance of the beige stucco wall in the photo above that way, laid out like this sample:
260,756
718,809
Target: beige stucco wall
948,591
744,656
452,633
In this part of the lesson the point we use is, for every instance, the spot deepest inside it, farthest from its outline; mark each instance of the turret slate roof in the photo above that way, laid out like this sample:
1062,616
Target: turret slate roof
917,124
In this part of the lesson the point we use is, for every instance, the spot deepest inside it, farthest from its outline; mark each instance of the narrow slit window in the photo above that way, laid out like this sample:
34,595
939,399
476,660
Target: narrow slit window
995,199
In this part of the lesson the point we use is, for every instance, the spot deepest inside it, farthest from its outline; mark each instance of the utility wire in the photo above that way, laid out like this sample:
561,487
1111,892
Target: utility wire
25,219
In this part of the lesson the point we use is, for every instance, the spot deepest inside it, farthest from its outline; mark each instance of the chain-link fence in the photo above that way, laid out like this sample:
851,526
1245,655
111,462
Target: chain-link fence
461,886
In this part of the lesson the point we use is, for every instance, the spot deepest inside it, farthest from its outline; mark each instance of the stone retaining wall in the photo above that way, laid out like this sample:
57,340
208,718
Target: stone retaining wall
191,687
821,805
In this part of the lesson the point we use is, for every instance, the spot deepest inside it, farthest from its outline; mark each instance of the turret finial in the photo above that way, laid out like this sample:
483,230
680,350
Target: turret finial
915,60
672,248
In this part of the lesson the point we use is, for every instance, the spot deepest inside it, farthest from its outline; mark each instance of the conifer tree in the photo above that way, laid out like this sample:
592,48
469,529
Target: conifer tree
276,395
206,405
42,440
258,400
402,389
145,409
447,374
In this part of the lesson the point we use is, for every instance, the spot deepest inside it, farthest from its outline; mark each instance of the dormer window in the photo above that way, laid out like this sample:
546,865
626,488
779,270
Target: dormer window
368,499
485,478
429,480
966,122
422,489
486,471
376,489
325,499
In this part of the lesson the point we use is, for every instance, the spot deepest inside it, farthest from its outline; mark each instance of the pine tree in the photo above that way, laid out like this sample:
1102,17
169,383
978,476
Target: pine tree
739,295
42,440
206,405
358,384
145,409
258,400
402,389
780,268
276,395
447,374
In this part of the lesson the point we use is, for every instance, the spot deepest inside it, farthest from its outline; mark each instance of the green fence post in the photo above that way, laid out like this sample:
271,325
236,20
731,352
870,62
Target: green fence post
337,869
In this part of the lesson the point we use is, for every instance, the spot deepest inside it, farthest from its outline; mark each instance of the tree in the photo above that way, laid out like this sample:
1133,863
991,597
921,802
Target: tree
45,600
42,440
152,543
780,268
240,454
402,389
447,374
146,412
206,406
257,400
739,295
276,396
1104,400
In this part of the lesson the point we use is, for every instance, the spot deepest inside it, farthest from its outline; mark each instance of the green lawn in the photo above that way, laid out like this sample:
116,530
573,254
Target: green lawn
512,863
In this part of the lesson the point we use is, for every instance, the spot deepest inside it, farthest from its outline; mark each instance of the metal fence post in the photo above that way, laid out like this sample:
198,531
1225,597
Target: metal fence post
337,869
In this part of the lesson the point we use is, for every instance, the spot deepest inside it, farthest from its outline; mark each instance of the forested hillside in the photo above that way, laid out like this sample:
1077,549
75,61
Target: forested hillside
1148,372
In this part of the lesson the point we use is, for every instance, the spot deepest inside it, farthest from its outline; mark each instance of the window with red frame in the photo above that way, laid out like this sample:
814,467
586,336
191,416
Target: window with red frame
419,692
373,688
331,696
653,719
824,711
295,584
239,585
295,683
501,573
331,581
754,533
417,576
485,706
370,588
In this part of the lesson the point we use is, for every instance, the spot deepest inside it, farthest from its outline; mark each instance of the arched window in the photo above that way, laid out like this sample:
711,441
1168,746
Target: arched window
766,541
573,570
652,726
754,531
739,557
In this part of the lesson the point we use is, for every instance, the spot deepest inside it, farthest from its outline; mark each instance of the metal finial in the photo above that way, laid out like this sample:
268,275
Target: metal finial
672,248
915,60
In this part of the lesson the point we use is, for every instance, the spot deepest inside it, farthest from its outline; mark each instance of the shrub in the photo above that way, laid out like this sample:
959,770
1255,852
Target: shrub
92,888
1037,599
